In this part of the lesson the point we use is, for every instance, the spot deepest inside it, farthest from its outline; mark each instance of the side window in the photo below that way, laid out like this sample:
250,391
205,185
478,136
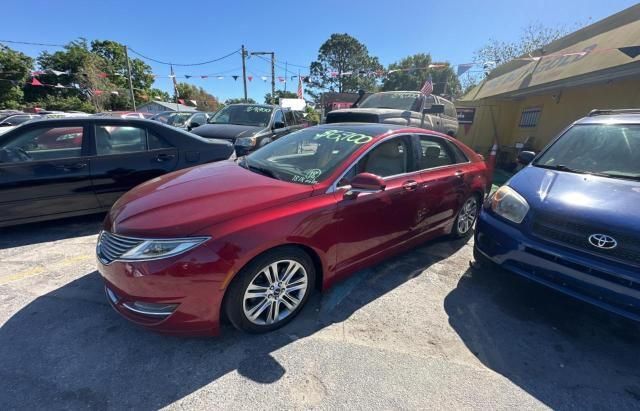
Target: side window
387,159
458,155
156,142
290,119
279,117
450,110
434,152
119,139
45,143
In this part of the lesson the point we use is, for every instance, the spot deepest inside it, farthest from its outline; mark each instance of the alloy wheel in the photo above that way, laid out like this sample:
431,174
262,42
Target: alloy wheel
275,292
468,215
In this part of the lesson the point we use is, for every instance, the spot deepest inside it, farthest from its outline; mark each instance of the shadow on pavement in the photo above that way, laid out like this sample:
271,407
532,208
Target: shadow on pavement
563,352
35,233
69,349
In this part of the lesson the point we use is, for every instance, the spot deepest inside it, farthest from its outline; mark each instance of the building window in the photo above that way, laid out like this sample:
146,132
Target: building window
529,117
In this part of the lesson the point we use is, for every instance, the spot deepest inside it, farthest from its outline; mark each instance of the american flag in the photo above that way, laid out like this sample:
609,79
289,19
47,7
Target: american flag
427,88
300,88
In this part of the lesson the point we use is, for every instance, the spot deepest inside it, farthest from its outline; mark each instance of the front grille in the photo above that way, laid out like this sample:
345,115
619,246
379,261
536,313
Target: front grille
575,234
336,117
111,246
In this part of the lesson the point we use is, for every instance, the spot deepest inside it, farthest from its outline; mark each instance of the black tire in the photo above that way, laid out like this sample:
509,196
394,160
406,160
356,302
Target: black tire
235,304
457,231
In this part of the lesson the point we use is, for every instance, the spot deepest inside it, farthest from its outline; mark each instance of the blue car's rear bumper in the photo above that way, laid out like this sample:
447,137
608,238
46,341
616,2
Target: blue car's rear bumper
609,285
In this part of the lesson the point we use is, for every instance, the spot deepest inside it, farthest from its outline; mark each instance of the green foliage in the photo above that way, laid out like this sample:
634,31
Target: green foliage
238,101
206,102
16,67
342,53
156,94
445,81
68,103
278,95
312,115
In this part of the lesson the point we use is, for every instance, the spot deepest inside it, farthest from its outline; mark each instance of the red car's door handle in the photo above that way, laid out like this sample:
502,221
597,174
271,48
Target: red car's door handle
410,185
459,173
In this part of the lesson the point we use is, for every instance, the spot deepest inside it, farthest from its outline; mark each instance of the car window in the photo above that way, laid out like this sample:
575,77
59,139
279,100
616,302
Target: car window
288,115
387,159
279,117
15,120
156,142
44,143
458,155
434,152
450,109
119,139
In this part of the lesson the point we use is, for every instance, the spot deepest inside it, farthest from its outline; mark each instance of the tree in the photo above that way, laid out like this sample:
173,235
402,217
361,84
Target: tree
414,72
343,65
238,101
156,94
278,95
205,101
15,67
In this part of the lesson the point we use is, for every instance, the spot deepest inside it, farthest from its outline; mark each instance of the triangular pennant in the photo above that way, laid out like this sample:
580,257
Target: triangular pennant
235,77
172,76
204,77
249,78
37,73
57,73
115,93
102,75
220,77
187,76
195,103
263,78
181,101
35,82
97,92
59,86
631,51
463,68
281,79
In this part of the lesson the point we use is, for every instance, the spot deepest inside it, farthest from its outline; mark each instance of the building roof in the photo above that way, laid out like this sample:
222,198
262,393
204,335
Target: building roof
583,57
171,106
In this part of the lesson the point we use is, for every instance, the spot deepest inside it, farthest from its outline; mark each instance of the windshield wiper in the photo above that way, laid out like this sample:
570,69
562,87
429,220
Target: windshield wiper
622,176
561,167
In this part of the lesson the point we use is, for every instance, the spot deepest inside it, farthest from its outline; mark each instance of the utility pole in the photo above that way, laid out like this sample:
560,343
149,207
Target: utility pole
244,72
273,71
133,98
286,72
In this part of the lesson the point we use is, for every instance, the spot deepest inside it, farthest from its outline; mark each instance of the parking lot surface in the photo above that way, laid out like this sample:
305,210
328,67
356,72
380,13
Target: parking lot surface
420,331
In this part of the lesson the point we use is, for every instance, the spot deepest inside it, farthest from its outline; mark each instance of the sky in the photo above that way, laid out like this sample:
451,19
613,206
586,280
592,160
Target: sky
196,31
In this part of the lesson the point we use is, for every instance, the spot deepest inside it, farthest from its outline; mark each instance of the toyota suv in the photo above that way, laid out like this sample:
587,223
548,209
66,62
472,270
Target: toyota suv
570,219
405,108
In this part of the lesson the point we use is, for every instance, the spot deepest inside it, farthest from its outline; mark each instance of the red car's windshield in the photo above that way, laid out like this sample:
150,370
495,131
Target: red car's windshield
307,156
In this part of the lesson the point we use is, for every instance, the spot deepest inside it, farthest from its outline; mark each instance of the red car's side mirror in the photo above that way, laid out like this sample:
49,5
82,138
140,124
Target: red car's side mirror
365,183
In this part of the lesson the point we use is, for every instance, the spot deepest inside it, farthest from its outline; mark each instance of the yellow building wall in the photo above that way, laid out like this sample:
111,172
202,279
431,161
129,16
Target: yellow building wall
501,117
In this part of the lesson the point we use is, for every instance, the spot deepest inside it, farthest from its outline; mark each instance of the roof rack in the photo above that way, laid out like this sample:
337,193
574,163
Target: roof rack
601,112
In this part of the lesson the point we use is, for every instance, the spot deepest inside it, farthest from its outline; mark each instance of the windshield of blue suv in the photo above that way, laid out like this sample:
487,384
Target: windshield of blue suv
610,150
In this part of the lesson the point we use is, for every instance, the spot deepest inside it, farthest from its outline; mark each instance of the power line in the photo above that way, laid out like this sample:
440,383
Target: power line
32,44
184,64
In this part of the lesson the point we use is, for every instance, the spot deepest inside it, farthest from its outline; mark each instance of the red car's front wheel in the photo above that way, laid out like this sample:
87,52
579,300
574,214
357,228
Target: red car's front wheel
270,290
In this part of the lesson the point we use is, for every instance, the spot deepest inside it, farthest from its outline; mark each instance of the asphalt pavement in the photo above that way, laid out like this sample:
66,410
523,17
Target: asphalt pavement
422,330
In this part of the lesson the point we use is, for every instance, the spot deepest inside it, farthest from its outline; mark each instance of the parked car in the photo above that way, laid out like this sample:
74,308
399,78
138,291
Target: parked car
252,238
250,126
64,167
197,119
570,220
10,120
173,118
406,108
124,114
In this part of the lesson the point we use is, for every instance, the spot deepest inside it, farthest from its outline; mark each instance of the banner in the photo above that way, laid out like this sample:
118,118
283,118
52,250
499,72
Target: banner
465,114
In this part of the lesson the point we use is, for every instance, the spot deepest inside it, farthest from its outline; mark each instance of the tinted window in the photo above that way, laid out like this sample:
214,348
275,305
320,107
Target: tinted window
434,152
46,143
404,100
15,120
289,117
117,139
156,142
243,114
458,155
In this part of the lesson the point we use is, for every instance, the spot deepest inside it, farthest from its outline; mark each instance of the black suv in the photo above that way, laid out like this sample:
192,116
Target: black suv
249,126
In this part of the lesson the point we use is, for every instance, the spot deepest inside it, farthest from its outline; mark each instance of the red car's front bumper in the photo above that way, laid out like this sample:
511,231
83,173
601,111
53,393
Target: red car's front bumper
187,289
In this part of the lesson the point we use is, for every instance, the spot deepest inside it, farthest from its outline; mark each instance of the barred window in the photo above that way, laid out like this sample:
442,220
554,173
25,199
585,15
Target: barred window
529,117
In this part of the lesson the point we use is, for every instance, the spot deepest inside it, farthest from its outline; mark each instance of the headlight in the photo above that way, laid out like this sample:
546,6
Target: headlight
507,203
246,141
155,249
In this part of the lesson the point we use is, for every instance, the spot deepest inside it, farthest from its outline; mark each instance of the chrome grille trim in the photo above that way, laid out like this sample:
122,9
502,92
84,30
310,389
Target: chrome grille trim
110,246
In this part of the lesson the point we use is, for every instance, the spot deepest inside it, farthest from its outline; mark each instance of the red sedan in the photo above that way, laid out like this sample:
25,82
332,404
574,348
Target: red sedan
251,239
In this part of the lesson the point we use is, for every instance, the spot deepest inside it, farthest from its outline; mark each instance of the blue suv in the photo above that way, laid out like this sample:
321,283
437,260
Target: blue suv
571,218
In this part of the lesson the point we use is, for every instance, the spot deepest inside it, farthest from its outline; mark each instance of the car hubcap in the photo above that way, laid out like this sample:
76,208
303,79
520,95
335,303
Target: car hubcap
275,292
467,215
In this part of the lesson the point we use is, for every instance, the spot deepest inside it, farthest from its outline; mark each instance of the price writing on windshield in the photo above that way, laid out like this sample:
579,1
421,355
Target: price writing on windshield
404,95
339,135
258,109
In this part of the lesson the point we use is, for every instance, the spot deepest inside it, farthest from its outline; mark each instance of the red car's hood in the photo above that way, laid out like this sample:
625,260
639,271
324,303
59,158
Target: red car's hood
181,203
